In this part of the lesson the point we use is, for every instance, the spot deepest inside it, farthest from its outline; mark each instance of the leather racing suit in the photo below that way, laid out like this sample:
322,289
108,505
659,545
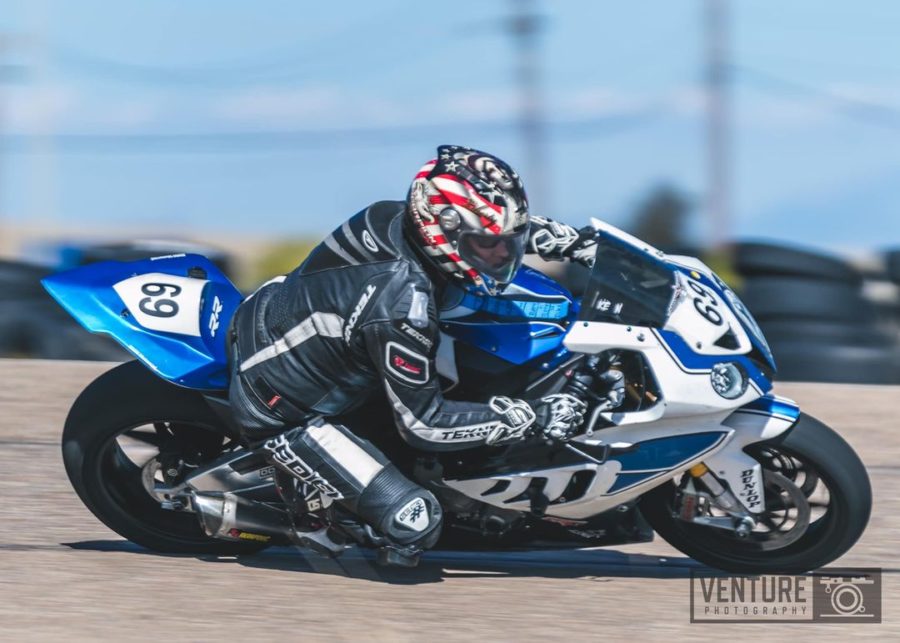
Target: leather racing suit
359,316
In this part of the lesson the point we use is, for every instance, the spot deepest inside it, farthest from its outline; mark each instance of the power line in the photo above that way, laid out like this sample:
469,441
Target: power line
305,140
718,85
869,112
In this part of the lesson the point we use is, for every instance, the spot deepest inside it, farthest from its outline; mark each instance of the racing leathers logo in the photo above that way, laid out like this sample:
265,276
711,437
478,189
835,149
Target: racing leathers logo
402,364
416,335
469,433
360,306
285,458
368,241
405,364
414,515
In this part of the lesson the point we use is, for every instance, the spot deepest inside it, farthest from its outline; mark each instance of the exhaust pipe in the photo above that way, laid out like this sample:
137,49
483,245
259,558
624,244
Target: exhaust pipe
230,517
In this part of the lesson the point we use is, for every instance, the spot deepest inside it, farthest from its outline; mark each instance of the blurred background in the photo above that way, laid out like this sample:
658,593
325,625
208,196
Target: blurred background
760,135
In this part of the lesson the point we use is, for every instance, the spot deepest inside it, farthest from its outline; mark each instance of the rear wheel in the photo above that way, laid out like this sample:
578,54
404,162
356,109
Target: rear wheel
818,501
128,431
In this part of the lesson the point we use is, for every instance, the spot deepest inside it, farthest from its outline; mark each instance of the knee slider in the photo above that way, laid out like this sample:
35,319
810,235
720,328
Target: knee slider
401,510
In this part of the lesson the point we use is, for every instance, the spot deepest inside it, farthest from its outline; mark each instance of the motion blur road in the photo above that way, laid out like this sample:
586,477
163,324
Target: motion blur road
63,575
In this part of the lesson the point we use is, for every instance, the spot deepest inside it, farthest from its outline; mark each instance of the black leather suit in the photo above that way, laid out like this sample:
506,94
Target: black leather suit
357,318
341,327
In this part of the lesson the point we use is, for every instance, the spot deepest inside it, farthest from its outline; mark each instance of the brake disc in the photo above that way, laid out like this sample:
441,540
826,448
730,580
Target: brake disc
782,495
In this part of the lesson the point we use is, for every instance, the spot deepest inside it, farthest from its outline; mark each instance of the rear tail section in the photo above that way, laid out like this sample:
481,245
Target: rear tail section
171,312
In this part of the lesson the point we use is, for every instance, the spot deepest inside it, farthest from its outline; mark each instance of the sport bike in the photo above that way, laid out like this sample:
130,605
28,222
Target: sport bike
698,448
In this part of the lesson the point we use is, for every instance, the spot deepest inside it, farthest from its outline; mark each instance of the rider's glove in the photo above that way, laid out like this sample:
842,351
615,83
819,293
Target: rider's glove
518,416
559,415
615,383
550,239
554,241
584,250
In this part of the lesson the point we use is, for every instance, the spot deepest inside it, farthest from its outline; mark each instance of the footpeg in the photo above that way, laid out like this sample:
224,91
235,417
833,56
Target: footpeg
392,556
319,541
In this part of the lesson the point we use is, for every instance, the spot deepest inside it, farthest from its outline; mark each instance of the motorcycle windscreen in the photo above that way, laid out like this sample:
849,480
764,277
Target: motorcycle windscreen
627,286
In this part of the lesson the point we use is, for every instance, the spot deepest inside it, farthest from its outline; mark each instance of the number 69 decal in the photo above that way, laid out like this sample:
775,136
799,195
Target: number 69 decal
705,303
157,306
163,302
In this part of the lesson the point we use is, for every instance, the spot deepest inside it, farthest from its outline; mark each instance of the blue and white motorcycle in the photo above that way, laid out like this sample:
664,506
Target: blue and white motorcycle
699,448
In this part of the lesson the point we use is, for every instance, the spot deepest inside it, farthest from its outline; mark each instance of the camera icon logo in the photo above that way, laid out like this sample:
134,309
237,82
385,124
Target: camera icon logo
847,596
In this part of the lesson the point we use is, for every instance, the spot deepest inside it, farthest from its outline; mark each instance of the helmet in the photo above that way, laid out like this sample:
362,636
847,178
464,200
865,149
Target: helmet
470,217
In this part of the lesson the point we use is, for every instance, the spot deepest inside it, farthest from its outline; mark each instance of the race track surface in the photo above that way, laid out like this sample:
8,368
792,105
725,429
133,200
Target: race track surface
64,576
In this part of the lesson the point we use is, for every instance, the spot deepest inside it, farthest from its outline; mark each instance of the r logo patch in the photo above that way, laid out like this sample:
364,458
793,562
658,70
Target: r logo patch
406,364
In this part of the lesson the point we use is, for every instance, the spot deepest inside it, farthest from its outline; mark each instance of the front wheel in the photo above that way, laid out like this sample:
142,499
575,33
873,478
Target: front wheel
127,431
818,503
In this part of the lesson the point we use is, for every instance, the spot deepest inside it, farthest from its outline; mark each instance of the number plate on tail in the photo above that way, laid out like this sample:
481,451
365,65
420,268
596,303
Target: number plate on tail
163,302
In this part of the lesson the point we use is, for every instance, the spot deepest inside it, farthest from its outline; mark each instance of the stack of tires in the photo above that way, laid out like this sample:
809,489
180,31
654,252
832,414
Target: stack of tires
819,324
32,324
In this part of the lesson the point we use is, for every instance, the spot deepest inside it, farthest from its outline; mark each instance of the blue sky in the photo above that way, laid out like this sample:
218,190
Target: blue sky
289,116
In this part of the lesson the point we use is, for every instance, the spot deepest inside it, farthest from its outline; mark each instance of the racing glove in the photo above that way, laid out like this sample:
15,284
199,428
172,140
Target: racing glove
556,241
584,251
518,417
559,415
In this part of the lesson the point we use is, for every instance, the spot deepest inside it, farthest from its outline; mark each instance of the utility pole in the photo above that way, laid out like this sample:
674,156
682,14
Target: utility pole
11,72
718,198
524,26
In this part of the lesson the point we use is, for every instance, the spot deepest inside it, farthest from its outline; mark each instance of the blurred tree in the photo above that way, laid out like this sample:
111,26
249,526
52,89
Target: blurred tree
661,219
279,259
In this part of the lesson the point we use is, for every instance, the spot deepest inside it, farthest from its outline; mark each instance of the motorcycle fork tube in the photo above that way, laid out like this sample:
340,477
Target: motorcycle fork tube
719,492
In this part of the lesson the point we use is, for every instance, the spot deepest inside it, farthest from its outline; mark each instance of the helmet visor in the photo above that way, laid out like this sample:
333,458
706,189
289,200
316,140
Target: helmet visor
497,256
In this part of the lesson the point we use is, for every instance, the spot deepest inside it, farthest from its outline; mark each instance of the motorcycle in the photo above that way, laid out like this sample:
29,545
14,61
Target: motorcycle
698,448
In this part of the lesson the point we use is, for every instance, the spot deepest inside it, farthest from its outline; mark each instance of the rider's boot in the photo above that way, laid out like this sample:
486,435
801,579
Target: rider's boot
401,518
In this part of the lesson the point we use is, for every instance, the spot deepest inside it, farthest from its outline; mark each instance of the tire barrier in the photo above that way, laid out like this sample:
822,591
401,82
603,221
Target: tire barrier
819,324
764,259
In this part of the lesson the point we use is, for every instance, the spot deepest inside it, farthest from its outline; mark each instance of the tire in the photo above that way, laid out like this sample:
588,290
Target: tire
892,265
829,333
109,484
811,362
764,259
771,298
21,281
824,540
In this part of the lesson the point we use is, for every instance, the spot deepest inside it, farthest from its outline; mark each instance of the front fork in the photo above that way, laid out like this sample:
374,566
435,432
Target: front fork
731,480
702,488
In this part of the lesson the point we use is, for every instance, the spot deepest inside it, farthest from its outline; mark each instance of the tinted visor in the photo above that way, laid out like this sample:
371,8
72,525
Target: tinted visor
497,256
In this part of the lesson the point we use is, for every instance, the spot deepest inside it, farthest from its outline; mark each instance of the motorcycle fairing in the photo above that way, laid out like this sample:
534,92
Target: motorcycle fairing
665,448
527,320
170,312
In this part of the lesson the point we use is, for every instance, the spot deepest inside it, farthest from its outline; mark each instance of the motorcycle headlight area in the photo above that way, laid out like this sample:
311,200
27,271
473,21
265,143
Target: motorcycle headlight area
728,380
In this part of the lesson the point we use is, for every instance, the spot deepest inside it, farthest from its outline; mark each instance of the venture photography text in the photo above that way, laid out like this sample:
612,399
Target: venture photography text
830,595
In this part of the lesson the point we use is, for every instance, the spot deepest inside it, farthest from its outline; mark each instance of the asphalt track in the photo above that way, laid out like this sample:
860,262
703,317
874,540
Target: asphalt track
63,575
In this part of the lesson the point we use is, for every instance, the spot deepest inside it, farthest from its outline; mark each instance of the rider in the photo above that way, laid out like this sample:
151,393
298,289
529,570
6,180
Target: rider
359,315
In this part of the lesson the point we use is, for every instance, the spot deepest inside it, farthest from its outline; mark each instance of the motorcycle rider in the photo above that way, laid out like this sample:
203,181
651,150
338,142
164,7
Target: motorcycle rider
360,315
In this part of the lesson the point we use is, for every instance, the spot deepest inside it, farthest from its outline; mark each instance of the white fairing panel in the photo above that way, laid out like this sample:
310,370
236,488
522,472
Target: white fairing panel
162,302
689,423
685,391
701,317
719,440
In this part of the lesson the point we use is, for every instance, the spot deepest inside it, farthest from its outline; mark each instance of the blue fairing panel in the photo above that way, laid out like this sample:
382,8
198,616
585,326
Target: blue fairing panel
197,359
528,320
774,406
692,362
656,457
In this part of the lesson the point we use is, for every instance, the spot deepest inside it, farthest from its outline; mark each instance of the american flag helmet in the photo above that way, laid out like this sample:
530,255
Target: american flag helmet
470,216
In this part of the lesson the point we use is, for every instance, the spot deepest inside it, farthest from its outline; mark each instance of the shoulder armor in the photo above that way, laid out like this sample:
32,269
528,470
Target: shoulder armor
364,238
